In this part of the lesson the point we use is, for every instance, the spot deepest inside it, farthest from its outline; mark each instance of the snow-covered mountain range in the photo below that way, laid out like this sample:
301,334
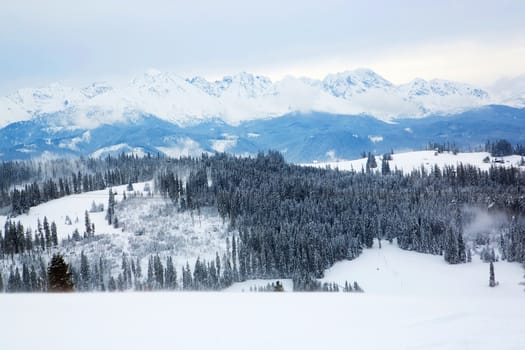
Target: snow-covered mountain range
241,97
339,116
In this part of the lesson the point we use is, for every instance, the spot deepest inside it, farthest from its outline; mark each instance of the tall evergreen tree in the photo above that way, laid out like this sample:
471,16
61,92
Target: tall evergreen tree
111,207
47,233
492,277
59,275
85,273
54,234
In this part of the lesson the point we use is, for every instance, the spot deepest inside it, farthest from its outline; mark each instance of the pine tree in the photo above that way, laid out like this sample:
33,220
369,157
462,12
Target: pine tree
35,282
85,273
171,274
47,233
461,254
111,207
87,223
187,282
385,167
26,280
14,282
492,277
59,275
462,258
112,285
451,248
54,234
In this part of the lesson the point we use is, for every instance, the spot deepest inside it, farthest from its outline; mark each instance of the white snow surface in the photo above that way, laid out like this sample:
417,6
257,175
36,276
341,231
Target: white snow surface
409,161
411,301
391,271
261,321
243,96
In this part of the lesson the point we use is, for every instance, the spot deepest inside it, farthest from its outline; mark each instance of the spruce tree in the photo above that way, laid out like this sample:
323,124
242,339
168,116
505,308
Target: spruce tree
47,233
492,277
59,275
111,207
54,234
87,223
85,273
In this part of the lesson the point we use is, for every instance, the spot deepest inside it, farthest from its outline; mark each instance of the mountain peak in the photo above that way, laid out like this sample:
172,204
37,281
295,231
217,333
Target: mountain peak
351,82
442,87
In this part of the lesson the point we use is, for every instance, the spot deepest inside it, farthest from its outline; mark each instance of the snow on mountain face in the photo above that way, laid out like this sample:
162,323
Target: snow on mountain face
359,81
420,87
442,95
242,85
95,89
240,97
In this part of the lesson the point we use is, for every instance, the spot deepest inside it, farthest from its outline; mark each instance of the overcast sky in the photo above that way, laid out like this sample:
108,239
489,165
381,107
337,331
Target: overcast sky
81,41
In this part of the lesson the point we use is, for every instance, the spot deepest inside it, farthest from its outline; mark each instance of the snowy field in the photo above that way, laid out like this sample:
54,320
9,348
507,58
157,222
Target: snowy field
413,160
259,321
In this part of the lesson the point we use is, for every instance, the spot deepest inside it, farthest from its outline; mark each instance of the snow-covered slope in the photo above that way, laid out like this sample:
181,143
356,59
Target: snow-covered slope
184,235
391,271
243,96
409,161
73,207
411,301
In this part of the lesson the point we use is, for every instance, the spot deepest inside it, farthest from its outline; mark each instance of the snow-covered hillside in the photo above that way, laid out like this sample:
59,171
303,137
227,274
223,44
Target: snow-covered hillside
409,161
68,212
390,271
243,96
147,223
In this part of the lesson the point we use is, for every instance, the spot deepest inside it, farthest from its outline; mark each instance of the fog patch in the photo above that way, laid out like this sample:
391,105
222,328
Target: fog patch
483,222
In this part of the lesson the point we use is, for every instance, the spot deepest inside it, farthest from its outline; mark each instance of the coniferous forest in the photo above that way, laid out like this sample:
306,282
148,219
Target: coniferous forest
284,220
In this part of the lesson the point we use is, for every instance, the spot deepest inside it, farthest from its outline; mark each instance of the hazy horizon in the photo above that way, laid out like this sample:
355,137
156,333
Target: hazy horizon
477,42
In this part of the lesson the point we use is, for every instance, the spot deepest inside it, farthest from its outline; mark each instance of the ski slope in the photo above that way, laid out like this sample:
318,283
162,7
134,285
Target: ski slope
409,161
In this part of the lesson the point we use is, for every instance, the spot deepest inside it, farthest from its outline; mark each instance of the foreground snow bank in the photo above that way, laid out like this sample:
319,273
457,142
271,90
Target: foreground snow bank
259,321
